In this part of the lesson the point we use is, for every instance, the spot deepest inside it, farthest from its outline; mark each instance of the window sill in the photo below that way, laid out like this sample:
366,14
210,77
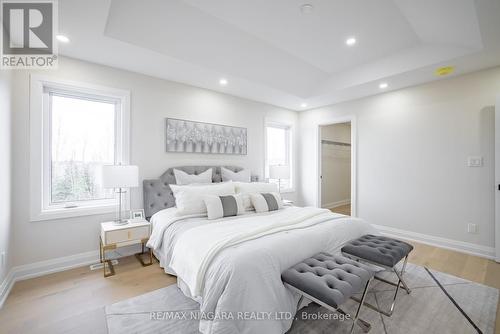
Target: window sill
61,213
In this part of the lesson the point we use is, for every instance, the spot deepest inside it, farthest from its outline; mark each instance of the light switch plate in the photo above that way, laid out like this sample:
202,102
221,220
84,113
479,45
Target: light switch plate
475,161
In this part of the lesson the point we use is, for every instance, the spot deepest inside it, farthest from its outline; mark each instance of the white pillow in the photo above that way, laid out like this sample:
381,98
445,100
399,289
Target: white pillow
183,178
223,206
266,202
189,199
245,189
241,176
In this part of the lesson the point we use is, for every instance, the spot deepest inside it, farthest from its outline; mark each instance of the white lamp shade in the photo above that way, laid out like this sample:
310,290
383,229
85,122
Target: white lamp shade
120,176
279,172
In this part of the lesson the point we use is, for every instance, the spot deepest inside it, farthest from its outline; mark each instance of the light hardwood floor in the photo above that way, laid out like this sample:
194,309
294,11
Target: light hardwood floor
73,300
470,267
37,304
343,209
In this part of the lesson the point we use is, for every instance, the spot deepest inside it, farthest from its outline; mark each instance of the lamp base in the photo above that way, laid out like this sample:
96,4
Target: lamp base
120,222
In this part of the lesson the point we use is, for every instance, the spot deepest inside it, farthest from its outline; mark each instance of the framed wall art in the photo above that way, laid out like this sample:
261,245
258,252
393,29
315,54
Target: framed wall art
185,136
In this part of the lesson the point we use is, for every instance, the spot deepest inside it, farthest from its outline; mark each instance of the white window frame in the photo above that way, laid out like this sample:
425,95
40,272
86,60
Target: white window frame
40,208
289,153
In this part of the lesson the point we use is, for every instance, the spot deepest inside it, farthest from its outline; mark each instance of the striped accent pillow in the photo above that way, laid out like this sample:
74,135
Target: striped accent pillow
223,206
266,202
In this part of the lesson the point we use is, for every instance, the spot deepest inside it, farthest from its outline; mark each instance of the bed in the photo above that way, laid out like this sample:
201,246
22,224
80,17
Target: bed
232,266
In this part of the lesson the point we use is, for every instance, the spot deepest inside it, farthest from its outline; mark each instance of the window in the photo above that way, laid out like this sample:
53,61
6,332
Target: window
279,152
80,128
82,135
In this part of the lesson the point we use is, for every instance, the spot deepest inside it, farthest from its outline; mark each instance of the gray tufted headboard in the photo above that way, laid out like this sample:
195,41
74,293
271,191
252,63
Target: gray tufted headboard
157,193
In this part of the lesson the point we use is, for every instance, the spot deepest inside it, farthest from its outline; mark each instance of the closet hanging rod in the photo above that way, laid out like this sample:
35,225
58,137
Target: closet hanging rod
330,142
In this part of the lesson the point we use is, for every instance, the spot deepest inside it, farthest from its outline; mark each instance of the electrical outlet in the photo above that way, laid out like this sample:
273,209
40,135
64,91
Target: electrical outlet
472,228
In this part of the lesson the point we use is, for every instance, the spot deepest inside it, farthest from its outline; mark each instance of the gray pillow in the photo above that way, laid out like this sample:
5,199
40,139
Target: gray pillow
223,206
266,202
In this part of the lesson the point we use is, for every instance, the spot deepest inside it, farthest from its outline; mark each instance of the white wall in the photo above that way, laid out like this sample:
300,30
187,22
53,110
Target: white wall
412,151
5,170
335,166
152,100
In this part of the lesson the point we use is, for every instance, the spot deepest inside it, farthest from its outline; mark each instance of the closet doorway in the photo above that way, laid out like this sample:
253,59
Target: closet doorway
336,166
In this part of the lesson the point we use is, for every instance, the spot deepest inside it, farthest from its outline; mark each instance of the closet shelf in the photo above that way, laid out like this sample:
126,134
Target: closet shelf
338,143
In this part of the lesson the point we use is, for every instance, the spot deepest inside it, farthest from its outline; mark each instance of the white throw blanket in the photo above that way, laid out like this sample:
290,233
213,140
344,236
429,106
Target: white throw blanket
161,221
205,242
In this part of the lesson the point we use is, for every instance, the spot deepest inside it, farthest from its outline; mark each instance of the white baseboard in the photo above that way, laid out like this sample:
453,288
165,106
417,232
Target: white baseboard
459,246
37,269
6,286
334,205
41,268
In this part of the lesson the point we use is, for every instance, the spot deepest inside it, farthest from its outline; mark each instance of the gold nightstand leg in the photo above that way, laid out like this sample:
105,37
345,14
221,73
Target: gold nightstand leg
139,257
111,269
100,250
102,258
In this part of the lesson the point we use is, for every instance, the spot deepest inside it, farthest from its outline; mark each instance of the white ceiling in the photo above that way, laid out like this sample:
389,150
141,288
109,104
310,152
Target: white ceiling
272,52
318,38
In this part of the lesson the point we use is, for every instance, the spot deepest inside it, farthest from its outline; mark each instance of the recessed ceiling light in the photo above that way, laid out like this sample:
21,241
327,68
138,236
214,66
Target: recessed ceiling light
350,41
383,85
307,8
304,105
223,82
62,38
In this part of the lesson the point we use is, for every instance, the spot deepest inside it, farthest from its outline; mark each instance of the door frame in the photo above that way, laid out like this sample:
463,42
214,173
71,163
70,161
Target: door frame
354,169
497,180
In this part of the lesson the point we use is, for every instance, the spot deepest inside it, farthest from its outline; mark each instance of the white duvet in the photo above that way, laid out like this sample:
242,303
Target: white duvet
233,266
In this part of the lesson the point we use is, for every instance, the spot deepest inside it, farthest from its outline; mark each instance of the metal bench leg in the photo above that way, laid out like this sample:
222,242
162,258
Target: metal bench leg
365,326
401,284
391,310
300,301
400,281
355,320
400,276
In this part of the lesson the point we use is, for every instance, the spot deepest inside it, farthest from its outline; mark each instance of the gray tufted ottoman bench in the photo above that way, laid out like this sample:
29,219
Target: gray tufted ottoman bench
382,252
329,281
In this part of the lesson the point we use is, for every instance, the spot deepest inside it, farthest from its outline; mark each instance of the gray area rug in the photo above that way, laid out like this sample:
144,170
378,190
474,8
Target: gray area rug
426,310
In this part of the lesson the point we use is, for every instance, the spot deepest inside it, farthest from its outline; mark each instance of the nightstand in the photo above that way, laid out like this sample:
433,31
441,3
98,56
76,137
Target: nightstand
114,236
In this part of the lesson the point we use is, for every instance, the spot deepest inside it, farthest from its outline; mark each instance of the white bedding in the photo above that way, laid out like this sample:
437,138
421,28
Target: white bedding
234,265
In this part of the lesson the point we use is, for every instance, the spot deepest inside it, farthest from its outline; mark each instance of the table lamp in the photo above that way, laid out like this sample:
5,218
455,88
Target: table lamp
279,172
120,177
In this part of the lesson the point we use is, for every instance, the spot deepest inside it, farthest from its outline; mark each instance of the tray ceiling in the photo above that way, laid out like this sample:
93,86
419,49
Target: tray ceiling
273,52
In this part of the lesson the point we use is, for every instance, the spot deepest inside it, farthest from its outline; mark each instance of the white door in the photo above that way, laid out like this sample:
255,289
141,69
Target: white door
497,179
